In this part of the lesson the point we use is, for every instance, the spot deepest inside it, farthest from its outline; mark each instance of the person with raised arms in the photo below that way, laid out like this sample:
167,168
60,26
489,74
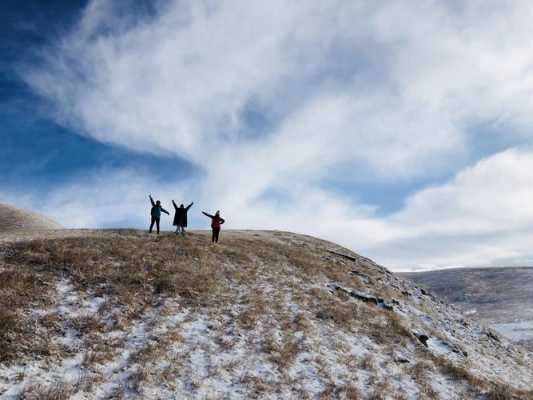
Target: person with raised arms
216,222
155,213
180,217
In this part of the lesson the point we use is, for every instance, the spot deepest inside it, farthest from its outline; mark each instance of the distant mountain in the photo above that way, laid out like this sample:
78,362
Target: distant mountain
499,297
15,219
261,315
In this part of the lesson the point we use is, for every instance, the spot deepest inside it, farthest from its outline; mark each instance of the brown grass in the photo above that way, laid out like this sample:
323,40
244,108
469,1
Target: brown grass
458,372
58,391
333,392
500,391
367,363
243,283
342,313
131,271
284,353
380,391
20,292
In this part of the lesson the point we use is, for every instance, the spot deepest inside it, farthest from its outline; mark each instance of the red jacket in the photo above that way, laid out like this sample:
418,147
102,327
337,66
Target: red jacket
216,220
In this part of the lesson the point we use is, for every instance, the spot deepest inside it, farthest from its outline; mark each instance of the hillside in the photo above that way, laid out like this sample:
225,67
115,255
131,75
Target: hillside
499,297
14,219
122,314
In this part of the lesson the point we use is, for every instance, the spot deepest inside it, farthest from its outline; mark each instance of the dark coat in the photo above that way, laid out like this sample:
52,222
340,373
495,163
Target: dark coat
180,217
157,209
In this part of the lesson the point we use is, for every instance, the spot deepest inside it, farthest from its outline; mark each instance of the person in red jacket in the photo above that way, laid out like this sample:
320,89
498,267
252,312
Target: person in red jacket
216,221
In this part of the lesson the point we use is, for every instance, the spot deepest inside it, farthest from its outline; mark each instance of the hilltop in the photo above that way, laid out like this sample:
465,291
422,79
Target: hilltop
122,314
14,219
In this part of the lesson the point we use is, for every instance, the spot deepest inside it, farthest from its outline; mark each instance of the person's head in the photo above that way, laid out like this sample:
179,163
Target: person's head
181,206
217,213
158,203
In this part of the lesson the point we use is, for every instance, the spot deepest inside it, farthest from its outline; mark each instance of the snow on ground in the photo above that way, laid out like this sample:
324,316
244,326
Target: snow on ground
283,335
516,331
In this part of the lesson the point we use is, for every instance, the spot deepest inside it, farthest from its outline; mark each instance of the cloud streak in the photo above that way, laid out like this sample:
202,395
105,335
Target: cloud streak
286,97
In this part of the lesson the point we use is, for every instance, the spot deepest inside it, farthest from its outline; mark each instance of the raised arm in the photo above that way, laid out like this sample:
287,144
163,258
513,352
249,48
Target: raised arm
174,204
207,215
189,206
151,200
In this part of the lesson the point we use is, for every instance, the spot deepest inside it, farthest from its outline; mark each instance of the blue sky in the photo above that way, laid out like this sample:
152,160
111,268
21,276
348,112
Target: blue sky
38,151
402,131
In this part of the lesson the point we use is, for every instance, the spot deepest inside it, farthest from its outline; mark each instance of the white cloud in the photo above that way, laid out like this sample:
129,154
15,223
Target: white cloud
484,216
373,91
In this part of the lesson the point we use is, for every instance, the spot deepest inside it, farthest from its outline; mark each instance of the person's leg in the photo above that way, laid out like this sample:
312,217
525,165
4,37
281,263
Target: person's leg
183,231
157,223
152,224
213,236
216,233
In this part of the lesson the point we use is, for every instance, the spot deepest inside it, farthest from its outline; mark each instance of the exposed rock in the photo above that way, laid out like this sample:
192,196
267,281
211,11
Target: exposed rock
422,338
367,298
343,255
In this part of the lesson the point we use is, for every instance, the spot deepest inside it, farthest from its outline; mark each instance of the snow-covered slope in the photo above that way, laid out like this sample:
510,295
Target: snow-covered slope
500,297
273,315
14,219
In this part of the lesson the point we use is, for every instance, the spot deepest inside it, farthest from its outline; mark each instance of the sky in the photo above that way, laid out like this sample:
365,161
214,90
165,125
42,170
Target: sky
402,130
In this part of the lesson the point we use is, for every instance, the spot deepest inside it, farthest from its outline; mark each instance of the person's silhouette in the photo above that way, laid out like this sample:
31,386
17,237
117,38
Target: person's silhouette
216,222
180,217
155,213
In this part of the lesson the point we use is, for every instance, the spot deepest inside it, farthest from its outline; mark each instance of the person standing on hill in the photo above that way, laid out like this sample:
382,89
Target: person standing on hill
216,222
180,217
156,211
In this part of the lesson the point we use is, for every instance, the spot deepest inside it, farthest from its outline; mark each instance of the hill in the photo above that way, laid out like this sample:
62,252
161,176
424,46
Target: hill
122,314
14,219
499,297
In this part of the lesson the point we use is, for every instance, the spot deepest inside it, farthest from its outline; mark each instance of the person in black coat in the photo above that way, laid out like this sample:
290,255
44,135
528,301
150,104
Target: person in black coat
180,217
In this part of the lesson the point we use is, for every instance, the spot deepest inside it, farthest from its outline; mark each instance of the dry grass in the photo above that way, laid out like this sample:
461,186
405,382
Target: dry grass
367,363
386,328
58,391
500,391
333,392
458,372
20,292
284,353
380,391
342,313
419,372
242,284
130,271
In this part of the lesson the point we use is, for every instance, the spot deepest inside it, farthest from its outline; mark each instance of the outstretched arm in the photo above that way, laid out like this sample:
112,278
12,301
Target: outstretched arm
151,200
189,206
174,204
165,211
207,215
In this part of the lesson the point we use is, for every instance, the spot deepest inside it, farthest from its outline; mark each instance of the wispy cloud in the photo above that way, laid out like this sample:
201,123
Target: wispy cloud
281,97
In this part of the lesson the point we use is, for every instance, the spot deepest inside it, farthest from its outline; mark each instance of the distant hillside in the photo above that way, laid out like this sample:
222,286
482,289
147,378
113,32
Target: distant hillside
14,219
270,315
500,297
